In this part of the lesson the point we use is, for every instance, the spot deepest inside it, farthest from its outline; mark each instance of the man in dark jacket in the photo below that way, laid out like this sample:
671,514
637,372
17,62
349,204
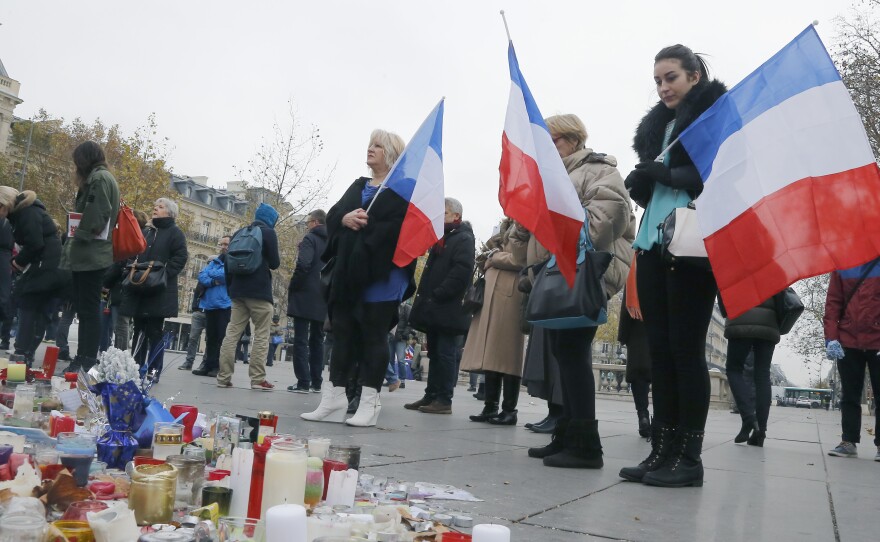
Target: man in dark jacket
437,307
252,301
306,304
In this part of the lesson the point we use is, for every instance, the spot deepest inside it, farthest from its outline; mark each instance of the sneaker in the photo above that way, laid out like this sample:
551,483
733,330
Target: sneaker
264,386
315,390
844,449
297,389
877,457
224,384
436,407
402,385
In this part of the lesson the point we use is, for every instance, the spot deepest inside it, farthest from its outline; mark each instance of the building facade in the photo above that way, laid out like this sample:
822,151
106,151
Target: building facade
9,89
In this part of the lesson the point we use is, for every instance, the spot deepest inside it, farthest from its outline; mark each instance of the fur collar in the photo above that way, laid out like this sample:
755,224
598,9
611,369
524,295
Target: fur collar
649,134
24,199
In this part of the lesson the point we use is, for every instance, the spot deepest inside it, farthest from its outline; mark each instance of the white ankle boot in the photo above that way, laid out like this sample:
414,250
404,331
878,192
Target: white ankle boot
333,405
368,409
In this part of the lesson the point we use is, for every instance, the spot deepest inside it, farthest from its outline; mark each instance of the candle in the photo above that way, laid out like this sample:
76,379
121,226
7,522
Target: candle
331,465
318,447
115,523
286,523
167,439
285,478
16,372
240,481
255,499
4,363
268,425
314,481
78,465
23,404
489,532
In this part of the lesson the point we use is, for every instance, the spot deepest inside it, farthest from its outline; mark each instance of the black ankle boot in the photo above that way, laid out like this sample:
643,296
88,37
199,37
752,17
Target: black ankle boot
757,437
644,424
490,410
481,392
684,467
557,440
661,445
747,427
546,426
581,449
506,417
202,370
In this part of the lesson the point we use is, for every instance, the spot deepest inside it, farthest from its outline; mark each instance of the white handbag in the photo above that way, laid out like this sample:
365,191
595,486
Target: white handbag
681,239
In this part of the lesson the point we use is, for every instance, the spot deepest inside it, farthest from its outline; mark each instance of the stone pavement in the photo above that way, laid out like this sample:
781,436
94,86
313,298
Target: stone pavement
787,490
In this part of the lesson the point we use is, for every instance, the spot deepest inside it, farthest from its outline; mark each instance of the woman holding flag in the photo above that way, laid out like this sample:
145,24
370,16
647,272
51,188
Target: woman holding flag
366,286
676,299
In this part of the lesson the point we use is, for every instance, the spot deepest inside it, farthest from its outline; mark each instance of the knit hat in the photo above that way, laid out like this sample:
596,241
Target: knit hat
266,214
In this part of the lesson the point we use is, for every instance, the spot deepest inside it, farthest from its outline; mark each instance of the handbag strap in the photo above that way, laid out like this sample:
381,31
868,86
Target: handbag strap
861,281
143,277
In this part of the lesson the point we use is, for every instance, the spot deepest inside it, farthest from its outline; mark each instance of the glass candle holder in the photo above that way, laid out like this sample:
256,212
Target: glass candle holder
76,443
190,479
77,511
22,528
285,476
167,439
227,433
75,531
152,493
350,454
23,404
241,530
217,494
319,446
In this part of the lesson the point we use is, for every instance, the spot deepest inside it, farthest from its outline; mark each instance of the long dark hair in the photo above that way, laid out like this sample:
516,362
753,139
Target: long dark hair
691,62
87,156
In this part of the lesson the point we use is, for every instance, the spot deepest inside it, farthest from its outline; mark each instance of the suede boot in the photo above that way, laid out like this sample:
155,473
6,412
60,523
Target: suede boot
684,467
757,437
644,423
748,425
556,442
661,446
582,448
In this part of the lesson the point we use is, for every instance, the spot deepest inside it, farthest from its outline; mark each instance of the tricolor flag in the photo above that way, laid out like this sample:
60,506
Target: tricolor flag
791,189
417,177
535,190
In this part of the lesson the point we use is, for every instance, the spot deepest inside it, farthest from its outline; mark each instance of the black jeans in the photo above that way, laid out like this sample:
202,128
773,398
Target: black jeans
442,377
852,382
87,303
677,302
360,347
150,328
737,352
216,321
640,388
31,316
571,349
308,352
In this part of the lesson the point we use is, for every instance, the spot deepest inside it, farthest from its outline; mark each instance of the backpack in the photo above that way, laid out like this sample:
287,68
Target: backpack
245,252
128,240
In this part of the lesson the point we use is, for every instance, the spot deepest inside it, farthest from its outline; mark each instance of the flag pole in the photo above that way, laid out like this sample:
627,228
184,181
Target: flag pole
506,29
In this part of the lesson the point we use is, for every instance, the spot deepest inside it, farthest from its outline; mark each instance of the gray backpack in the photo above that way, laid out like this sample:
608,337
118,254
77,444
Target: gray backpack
245,252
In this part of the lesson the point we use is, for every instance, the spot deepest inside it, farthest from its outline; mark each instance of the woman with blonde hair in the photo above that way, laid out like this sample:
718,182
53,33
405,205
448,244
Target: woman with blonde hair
366,286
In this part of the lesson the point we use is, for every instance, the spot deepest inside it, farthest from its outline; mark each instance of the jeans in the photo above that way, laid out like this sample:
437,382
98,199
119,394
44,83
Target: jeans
308,352
571,349
31,314
195,335
396,365
87,301
737,352
442,376
852,381
245,309
63,332
360,347
121,330
216,322
677,302
148,332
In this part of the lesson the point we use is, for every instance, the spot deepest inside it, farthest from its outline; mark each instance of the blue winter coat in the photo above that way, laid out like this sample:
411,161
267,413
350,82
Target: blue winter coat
213,278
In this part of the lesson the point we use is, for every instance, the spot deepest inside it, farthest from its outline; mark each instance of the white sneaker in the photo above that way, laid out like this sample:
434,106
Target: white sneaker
368,410
333,405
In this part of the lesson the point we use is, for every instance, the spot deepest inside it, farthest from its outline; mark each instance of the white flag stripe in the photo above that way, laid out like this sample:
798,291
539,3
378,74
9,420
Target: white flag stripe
428,193
517,125
780,147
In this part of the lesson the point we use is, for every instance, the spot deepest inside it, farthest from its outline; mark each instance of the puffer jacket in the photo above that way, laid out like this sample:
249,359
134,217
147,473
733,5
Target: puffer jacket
761,322
858,324
213,278
36,234
612,222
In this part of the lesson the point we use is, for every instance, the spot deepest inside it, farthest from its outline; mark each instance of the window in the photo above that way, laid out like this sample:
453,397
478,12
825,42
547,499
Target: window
209,198
605,347
206,227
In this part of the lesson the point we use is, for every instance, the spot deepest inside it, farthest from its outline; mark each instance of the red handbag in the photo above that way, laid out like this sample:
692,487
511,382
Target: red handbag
128,240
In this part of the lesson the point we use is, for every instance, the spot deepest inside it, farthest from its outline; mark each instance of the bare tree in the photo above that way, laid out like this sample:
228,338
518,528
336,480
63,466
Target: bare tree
807,339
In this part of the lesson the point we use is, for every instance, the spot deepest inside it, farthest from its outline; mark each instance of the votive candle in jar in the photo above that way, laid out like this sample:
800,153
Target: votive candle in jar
152,493
23,405
190,479
167,439
285,476
318,447
268,425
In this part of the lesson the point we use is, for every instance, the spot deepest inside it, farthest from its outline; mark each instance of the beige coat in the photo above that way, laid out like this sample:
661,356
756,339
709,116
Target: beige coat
612,222
494,341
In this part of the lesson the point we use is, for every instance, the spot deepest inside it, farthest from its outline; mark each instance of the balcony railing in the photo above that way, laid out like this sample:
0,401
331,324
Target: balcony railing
204,238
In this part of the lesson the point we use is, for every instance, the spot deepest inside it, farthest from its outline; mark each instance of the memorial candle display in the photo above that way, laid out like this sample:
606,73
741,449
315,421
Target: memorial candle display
314,481
285,478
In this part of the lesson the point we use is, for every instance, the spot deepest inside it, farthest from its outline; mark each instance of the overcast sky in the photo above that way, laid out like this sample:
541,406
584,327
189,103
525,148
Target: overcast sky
218,73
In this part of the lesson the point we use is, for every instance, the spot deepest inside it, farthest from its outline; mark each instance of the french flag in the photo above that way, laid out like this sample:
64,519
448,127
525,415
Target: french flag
791,187
535,190
417,177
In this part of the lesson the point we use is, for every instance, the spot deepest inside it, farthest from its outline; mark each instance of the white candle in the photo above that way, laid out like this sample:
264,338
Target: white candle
242,465
284,481
318,447
286,523
489,532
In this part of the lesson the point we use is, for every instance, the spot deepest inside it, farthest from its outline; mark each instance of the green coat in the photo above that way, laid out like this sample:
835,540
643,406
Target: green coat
98,202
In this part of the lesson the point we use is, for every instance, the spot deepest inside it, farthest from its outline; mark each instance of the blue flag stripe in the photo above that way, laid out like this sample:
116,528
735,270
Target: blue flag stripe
801,65
516,76
403,178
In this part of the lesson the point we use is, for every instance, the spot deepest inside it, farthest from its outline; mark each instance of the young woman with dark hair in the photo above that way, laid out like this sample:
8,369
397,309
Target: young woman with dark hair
676,299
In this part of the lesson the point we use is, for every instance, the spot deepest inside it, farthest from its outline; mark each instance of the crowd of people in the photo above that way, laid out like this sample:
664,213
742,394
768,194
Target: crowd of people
350,303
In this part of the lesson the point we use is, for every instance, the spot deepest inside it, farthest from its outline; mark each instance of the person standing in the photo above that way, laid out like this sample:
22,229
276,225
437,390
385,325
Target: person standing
395,374
275,338
437,307
251,294
852,337
89,252
7,244
197,326
631,333
676,299
307,306
217,307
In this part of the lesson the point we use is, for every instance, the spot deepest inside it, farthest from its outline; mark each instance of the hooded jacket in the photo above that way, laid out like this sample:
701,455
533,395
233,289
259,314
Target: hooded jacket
305,298
258,285
98,201
40,247
213,279
855,324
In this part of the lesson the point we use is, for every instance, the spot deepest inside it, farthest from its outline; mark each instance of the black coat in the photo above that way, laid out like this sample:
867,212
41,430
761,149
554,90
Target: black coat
447,275
257,285
633,334
7,243
305,298
167,244
760,322
363,257
40,248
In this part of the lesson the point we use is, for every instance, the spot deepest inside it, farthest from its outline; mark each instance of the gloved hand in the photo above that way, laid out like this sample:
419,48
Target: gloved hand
656,171
640,187
833,350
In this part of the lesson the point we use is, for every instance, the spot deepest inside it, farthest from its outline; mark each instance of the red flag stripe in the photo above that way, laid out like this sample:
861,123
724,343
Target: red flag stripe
416,236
